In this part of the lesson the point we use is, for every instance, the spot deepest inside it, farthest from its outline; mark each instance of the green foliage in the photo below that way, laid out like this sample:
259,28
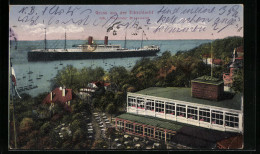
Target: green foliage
68,76
58,109
120,98
221,48
67,145
111,132
111,108
38,124
98,144
38,99
238,82
144,73
88,74
75,125
66,118
77,135
95,102
101,101
77,116
45,128
73,78
118,76
26,125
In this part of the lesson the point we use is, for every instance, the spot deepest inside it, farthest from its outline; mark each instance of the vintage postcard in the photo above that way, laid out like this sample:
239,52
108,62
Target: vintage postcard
145,77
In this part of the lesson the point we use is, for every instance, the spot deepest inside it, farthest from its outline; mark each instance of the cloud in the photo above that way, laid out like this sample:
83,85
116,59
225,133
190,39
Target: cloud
39,29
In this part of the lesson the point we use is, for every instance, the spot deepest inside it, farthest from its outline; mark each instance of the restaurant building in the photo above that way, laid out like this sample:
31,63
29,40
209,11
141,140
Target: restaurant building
160,112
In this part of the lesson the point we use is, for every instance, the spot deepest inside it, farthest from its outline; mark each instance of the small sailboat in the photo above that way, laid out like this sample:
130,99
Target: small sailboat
61,63
30,78
25,88
24,76
56,67
30,72
38,77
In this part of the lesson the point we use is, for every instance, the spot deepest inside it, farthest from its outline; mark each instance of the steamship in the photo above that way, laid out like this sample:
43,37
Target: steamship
91,50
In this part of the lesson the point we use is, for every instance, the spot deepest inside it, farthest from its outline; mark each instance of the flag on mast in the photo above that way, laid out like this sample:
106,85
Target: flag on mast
14,84
13,76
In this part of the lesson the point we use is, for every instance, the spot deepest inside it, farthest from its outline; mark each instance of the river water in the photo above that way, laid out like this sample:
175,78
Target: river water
50,69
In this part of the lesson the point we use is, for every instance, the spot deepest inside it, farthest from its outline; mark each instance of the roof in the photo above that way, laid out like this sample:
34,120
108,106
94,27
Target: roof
197,137
206,55
240,58
217,61
235,65
57,96
152,121
208,135
240,49
101,83
192,141
189,135
184,94
234,142
208,80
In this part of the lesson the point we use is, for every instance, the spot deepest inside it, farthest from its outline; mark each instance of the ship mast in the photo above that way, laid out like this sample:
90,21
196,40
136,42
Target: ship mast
65,45
45,42
125,41
142,39
211,70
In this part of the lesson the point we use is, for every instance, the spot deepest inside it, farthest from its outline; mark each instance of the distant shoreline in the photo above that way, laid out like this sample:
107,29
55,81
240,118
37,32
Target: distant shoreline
118,40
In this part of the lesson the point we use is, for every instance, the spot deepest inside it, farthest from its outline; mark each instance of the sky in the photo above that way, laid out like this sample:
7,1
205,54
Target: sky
134,22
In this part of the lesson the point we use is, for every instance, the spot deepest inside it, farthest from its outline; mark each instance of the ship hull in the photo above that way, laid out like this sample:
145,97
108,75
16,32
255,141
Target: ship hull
52,56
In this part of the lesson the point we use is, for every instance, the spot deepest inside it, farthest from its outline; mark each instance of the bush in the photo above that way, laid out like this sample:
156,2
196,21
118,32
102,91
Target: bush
45,128
26,125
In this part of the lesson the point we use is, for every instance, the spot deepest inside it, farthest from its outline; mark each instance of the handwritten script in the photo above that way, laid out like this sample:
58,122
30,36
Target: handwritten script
161,19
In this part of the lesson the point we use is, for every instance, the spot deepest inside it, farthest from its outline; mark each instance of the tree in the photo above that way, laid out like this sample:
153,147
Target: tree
95,103
75,125
144,73
111,109
77,135
118,76
26,125
120,98
98,74
103,103
238,82
58,108
45,128
66,118
69,77
77,116
111,134
98,144
39,98
67,145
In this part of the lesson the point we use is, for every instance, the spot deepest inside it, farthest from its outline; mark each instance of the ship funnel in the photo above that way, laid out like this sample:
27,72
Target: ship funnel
106,40
90,40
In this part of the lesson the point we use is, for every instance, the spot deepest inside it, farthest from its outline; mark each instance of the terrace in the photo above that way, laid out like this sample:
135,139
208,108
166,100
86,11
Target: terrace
173,133
184,94
177,104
